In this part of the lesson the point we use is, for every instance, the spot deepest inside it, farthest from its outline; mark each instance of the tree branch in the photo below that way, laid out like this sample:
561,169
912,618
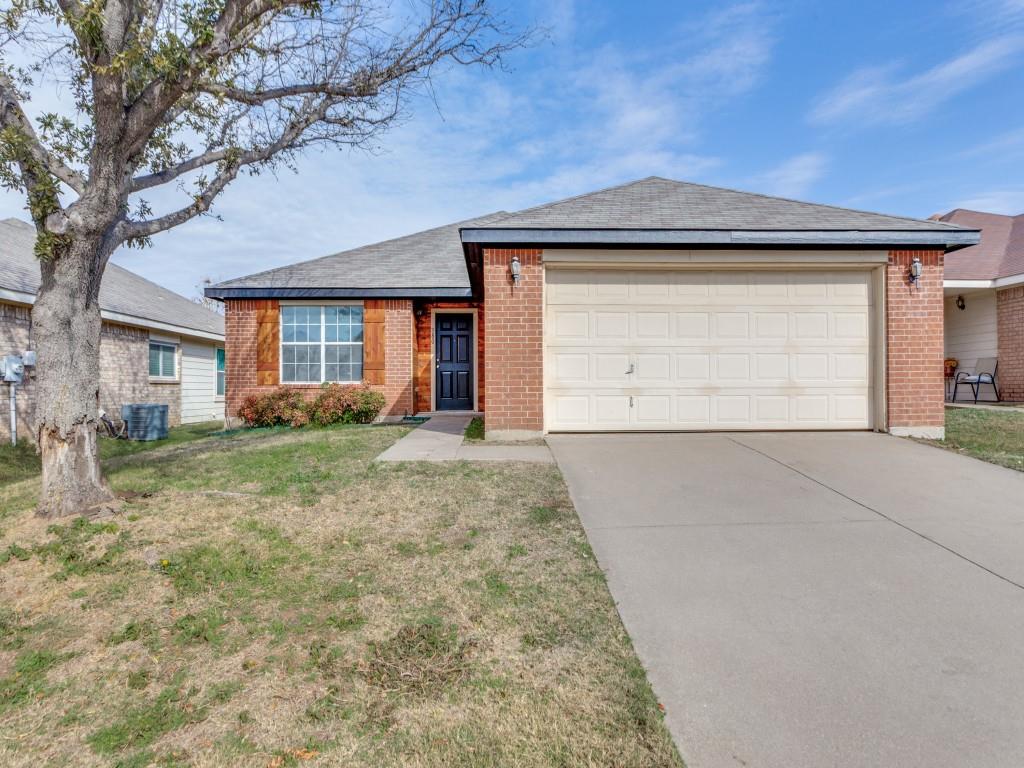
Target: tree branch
13,116
140,183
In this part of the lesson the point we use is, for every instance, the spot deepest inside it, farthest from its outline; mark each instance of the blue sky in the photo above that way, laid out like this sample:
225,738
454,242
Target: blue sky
902,107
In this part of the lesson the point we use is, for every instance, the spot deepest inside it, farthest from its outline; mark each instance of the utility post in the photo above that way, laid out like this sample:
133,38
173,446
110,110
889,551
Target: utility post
12,371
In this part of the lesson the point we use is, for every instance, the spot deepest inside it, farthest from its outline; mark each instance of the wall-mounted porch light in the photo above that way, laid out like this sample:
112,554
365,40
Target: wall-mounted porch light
915,271
960,303
514,270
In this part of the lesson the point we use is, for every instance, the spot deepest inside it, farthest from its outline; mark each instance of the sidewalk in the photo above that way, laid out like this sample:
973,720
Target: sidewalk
441,439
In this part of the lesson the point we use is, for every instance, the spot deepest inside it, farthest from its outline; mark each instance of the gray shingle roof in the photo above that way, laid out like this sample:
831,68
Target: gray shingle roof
433,262
657,203
121,291
419,262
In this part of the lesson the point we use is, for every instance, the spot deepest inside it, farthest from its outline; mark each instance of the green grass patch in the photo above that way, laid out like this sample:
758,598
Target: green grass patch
28,680
475,429
994,436
18,462
173,708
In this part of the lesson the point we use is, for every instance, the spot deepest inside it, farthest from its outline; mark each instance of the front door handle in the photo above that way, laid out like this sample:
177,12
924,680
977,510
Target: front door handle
631,369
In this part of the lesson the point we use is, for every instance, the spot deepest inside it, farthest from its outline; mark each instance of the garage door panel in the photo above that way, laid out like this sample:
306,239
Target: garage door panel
707,350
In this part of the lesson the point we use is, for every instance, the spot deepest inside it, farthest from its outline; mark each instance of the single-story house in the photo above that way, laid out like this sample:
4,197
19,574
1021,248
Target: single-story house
984,288
655,305
155,347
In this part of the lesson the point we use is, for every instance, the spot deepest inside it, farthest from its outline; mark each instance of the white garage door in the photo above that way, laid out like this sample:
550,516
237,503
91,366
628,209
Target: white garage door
677,350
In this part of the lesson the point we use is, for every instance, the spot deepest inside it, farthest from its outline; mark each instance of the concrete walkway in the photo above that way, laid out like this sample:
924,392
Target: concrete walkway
441,439
805,600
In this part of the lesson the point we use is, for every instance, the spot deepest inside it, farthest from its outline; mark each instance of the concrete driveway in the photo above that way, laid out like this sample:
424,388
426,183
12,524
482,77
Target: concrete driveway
833,599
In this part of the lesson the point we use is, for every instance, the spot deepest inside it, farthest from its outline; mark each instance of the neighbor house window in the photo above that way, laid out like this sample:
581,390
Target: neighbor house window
220,372
321,343
162,359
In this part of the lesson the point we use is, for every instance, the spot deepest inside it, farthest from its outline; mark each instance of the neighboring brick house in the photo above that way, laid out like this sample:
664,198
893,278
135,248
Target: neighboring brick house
655,305
155,346
984,303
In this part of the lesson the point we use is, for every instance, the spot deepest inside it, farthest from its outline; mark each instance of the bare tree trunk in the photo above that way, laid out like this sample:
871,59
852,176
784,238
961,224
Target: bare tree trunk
66,331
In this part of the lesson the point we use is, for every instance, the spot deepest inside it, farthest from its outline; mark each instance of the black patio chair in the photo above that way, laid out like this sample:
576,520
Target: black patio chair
984,373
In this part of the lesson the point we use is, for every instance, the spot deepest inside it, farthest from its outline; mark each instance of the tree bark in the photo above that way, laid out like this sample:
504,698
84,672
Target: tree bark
66,334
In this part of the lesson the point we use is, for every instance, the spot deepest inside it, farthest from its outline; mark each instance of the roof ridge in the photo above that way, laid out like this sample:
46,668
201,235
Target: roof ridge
358,247
818,205
733,190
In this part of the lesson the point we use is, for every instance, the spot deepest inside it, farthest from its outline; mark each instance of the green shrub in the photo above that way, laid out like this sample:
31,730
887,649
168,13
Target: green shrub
346,404
336,404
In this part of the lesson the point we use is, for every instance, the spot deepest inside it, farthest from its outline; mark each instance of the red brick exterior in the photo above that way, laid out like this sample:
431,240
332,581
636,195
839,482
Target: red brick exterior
514,328
1010,329
241,343
424,363
914,316
398,352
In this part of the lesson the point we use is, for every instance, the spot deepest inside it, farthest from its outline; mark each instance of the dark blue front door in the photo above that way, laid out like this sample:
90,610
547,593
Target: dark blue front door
453,349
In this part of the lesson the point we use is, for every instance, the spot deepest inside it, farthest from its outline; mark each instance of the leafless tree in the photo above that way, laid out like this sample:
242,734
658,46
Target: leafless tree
203,300
187,93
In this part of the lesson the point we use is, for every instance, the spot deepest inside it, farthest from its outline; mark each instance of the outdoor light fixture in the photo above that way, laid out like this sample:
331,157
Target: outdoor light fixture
513,268
915,270
960,303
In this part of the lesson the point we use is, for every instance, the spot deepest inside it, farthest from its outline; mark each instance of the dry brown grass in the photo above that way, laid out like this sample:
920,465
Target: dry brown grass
338,612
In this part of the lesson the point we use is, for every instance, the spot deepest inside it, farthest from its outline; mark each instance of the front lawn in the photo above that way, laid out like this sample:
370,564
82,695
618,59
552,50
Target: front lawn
996,436
22,461
276,598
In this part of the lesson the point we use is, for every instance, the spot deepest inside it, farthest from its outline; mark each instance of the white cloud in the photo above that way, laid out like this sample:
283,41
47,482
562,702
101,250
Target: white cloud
877,95
793,178
573,120
1005,200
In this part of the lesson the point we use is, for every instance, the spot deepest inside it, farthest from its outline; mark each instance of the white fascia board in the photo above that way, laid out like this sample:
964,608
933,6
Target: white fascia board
969,284
999,282
20,297
1006,282
156,325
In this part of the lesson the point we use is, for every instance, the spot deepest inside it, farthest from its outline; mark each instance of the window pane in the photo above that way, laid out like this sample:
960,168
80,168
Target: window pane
154,360
332,372
167,364
357,372
288,315
220,382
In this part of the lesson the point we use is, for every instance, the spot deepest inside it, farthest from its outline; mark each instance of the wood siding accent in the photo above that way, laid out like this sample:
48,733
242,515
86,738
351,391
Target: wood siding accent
268,342
373,342
423,372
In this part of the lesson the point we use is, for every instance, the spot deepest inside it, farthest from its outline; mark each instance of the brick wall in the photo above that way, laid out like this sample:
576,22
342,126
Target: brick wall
915,391
424,362
1010,325
241,343
398,353
14,339
514,328
124,371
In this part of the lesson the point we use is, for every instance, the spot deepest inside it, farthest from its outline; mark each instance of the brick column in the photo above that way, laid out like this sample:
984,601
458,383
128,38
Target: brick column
240,339
1010,331
514,329
915,391
399,346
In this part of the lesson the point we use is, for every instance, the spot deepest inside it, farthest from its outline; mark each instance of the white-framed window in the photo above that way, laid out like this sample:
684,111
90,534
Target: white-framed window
163,359
220,371
321,343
